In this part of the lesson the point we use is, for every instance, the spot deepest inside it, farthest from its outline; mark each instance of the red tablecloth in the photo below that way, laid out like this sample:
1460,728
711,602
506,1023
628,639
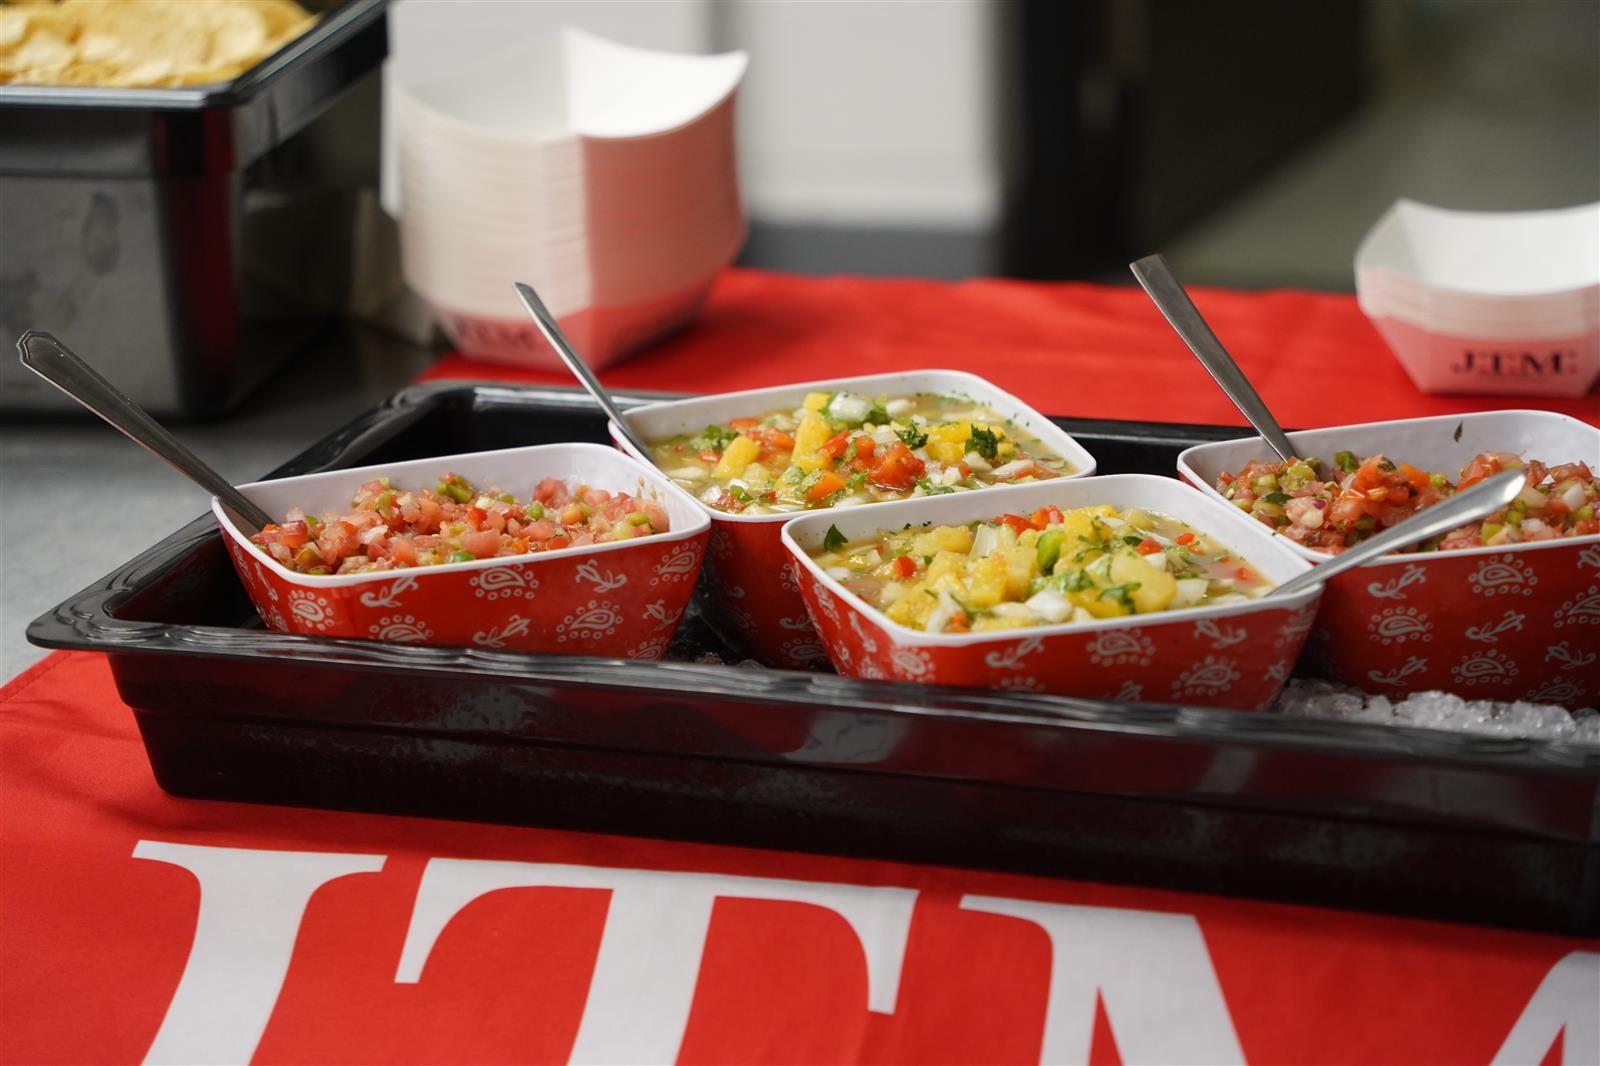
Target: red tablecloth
136,925
1068,349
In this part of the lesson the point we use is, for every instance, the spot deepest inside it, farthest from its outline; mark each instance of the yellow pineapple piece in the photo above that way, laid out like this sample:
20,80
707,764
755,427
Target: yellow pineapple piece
948,443
986,581
991,624
1156,586
740,453
1021,565
811,434
815,401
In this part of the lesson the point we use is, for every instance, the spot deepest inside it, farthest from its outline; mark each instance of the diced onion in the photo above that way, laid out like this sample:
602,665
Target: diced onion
687,473
1111,522
941,614
1573,496
1191,590
978,463
848,407
898,407
1015,468
1049,605
984,542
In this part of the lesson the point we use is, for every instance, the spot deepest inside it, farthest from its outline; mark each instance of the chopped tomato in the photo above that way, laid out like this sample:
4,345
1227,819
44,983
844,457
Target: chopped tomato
899,468
291,534
743,423
1045,517
1148,546
835,447
1185,538
1244,573
710,455
904,566
1417,479
1482,466
483,544
865,446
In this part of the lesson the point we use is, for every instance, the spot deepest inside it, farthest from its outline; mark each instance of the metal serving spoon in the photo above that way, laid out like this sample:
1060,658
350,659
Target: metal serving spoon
1182,315
1484,498
55,362
569,355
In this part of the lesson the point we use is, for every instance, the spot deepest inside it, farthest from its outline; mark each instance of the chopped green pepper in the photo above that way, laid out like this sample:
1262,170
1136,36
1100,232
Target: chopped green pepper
534,511
385,504
1346,461
1047,549
1278,497
456,487
638,518
461,557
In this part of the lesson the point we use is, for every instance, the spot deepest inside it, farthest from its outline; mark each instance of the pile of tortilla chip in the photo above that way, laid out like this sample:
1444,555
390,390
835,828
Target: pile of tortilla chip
142,43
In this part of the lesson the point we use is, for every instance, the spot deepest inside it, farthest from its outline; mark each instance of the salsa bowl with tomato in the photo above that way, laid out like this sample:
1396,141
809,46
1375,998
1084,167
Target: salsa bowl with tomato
1506,608
755,459
566,548
1127,587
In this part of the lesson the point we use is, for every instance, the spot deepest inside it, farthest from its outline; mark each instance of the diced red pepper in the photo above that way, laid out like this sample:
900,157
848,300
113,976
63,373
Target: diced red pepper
1016,522
1149,546
1045,517
1186,537
959,623
828,484
1244,573
744,423
835,446
904,566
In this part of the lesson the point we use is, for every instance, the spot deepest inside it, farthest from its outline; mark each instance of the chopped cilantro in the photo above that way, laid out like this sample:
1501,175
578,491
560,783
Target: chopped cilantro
833,540
1075,581
1133,542
1459,426
877,415
715,437
738,492
1123,594
930,489
984,441
912,436
1277,497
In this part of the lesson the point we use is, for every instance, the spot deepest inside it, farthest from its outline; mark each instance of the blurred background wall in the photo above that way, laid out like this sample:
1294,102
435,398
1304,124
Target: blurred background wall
1254,141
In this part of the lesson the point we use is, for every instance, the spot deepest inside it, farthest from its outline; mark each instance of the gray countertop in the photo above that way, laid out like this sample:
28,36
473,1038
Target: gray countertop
76,473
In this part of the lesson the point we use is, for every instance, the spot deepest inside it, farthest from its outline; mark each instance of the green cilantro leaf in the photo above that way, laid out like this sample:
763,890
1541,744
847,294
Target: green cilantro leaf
833,540
912,436
984,441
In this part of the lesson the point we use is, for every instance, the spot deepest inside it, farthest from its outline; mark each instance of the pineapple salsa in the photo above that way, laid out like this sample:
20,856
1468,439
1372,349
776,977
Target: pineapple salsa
1047,568
841,449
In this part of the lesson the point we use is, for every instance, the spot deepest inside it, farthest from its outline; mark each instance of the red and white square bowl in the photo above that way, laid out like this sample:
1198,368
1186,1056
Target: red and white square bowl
1519,621
1230,655
751,595
622,599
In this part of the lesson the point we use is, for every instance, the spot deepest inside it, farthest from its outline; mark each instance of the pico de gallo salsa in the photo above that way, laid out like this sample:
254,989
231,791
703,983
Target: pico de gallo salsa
840,449
1331,506
454,522
1047,568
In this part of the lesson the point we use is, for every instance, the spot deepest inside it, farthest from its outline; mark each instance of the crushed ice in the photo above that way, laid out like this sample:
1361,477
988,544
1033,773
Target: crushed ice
1440,710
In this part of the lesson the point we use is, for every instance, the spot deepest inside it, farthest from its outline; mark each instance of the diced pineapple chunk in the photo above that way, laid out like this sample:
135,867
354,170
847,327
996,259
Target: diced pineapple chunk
986,582
1078,524
740,453
945,564
1156,587
911,609
1021,566
816,401
1107,607
811,434
948,443
942,538
757,476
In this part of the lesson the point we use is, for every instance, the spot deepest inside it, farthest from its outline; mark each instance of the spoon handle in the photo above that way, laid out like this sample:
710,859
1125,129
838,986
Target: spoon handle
1468,505
1184,317
56,363
558,340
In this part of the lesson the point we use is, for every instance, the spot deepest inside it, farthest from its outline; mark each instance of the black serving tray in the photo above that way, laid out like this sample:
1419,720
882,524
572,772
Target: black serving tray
1451,826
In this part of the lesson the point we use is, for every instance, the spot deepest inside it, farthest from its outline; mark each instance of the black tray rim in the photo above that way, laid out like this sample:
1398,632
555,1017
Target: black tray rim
85,622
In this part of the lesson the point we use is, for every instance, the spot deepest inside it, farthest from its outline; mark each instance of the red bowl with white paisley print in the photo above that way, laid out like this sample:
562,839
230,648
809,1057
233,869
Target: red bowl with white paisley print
621,599
1230,655
751,596
1515,622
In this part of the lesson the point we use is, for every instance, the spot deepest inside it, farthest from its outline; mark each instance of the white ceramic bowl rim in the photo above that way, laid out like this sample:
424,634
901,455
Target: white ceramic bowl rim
697,521
1378,427
1047,431
927,509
